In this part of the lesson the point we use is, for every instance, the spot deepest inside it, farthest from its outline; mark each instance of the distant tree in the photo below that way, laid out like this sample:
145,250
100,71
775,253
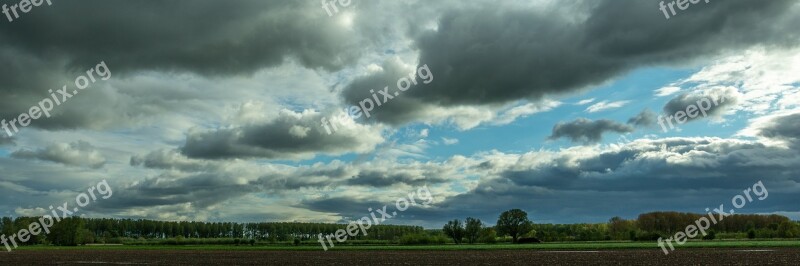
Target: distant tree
7,226
86,237
514,223
787,229
455,230
618,227
67,232
488,236
472,229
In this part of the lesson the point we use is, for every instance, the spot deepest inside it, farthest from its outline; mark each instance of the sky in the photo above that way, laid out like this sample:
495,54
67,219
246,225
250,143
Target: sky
235,110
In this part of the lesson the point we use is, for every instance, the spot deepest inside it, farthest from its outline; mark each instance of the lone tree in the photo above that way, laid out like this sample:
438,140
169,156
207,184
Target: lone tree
514,223
455,230
472,229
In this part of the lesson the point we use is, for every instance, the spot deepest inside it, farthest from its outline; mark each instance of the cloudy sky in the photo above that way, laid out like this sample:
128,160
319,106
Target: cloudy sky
213,109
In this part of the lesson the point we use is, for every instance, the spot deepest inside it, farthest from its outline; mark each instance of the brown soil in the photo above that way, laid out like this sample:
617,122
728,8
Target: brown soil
769,256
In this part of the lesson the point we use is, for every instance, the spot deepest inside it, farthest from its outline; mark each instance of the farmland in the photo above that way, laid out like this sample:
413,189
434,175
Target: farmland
585,246
582,253
700,256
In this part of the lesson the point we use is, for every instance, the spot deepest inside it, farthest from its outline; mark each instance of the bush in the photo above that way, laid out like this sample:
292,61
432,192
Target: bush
422,239
751,234
296,241
710,236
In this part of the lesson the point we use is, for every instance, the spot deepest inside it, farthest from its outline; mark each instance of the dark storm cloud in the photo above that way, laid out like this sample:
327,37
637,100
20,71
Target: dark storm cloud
50,47
200,35
587,131
646,118
715,101
79,153
496,55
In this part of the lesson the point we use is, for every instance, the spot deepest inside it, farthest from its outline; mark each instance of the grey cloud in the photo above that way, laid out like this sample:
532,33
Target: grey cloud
380,174
174,160
698,158
402,107
79,153
29,80
278,178
785,128
646,118
48,48
385,178
693,173
350,208
716,101
199,36
493,54
201,190
6,140
587,131
290,136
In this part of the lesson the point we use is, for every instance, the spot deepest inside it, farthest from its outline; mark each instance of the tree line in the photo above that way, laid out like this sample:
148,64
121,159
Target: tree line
76,230
511,226
515,224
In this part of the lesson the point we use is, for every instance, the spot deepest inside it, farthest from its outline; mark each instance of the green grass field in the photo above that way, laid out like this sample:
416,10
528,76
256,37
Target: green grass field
543,246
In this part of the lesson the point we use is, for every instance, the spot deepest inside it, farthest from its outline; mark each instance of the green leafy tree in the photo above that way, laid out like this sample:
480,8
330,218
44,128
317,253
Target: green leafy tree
514,223
488,236
455,230
68,232
472,229
619,228
8,226
86,237
787,229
